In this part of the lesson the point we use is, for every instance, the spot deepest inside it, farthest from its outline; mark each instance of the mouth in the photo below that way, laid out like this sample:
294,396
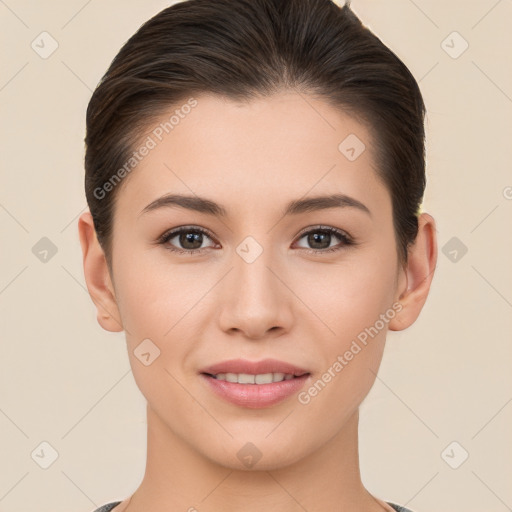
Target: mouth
248,378
255,384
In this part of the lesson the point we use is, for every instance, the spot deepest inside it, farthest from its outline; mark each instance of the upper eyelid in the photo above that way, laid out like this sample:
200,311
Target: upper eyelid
323,227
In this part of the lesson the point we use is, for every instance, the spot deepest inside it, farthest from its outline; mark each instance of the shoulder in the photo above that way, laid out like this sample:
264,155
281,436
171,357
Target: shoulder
108,507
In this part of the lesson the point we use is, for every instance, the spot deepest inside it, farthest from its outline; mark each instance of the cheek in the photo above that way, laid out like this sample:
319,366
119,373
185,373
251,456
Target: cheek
358,312
151,297
354,301
158,301
349,296
152,306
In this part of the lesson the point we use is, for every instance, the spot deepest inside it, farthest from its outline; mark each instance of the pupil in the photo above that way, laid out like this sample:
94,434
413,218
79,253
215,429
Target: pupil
191,237
315,237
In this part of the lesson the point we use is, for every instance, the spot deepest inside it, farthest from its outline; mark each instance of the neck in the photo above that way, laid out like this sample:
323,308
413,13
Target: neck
177,477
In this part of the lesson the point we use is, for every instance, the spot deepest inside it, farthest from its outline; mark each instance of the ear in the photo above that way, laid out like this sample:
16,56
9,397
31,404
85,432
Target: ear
415,278
97,276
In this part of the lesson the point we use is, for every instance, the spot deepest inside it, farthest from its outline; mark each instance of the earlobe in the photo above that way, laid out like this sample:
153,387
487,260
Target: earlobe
416,278
97,276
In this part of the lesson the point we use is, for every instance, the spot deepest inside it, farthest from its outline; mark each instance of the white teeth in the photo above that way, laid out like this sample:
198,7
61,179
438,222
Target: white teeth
246,378
266,378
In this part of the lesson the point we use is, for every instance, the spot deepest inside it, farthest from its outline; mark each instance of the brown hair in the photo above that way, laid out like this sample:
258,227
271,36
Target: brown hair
243,49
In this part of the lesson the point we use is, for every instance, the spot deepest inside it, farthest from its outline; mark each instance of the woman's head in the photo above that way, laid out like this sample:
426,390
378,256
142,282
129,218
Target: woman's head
273,169
247,49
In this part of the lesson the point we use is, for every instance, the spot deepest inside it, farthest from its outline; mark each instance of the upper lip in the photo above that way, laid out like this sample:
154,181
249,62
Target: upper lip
254,367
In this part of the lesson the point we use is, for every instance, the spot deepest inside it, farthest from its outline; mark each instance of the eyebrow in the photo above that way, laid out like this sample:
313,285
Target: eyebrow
209,207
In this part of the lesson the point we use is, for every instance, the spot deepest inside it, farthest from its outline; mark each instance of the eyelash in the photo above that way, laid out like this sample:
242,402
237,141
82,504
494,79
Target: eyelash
344,237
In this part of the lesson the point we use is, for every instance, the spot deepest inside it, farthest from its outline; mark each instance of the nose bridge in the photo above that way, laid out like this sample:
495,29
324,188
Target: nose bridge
257,300
256,282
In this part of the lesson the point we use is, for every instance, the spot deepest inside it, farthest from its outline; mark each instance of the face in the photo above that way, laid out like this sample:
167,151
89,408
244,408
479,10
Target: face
312,285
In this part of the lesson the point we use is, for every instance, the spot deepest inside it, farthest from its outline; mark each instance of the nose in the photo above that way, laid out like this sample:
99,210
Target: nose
255,301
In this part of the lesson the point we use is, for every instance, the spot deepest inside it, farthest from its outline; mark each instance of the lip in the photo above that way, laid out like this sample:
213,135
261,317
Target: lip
254,367
255,396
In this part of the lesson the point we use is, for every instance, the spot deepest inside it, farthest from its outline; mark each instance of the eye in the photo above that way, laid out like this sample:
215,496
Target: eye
322,236
189,237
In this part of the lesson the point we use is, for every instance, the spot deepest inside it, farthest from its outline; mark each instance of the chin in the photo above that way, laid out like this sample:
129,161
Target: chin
256,453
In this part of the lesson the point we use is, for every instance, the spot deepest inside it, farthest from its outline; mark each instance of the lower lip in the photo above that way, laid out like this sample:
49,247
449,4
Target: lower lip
255,396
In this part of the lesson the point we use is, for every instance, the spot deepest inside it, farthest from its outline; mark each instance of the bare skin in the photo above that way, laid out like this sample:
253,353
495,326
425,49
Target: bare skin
288,304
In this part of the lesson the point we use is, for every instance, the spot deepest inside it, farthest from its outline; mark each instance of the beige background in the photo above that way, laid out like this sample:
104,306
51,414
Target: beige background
65,381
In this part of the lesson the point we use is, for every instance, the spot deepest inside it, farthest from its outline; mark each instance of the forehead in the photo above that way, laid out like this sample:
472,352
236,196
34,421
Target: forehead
251,154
